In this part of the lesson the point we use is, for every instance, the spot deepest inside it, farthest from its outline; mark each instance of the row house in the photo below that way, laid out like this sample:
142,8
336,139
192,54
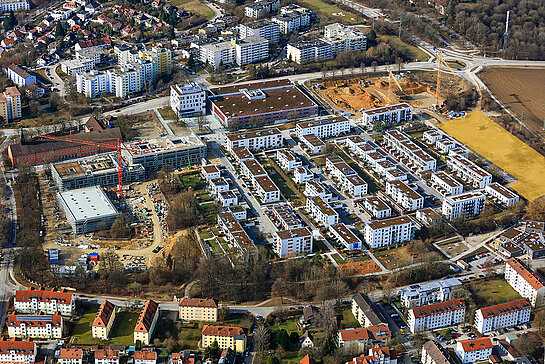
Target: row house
236,235
321,212
218,185
302,175
437,315
347,179
502,194
365,311
266,190
313,144
404,196
506,314
241,154
227,198
469,171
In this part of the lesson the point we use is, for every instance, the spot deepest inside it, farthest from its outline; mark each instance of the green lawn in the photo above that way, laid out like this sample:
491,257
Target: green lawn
82,330
167,113
326,11
216,249
121,334
414,52
194,7
491,292
190,334
348,320
239,320
191,180
394,258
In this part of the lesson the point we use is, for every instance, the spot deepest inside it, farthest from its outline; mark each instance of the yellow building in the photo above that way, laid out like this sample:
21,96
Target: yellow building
3,108
13,100
143,331
162,57
226,337
104,320
198,309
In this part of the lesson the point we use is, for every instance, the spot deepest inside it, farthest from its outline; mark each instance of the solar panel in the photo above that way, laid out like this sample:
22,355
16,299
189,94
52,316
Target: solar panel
34,317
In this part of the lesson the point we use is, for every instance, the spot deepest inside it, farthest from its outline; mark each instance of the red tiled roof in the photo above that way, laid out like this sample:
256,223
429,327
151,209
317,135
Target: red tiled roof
106,354
505,307
146,316
22,346
29,320
372,332
221,330
43,295
529,276
438,308
178,358
198,302
72,353
104,313
145,355
481,343
307,360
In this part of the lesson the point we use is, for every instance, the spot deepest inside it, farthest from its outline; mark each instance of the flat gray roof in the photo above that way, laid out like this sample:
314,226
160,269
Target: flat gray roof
87,203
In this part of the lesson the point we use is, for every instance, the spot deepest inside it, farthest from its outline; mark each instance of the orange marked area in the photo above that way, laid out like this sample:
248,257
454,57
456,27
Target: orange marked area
358,268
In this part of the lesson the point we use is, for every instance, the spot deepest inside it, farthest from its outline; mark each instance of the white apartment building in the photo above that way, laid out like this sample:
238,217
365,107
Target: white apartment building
314,144
266,190
255,140
437,315
252,169
46,301
313,189
209,172
70,356
346,177
445,184
17,351
227,198
384,166
373,158
187,99
287,160
404,196
354,186
364,311
35,326
321,212
469,171
323,128
260,8
218,185
390,231
507,314
434,353
376,207
525,281
345,236
361,150
293,241
309,51
302,175
263,28
345,38
283,217
432,292
391,114
445,145
469,204
502,194
432,136
13,5
400,143
250,50
241,154
395,174
292,17
216,54
74,66
353,141
474,351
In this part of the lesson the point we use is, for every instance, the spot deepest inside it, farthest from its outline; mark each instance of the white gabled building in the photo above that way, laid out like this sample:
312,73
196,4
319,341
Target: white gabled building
46,301
404,196
437,315
502,194
323,128
525,281
469,204
287,160
507,314
294,241
313,189
474,351
187,99
390,114
345,236
446,184
35,326
321,212
386,232
376,207
255,140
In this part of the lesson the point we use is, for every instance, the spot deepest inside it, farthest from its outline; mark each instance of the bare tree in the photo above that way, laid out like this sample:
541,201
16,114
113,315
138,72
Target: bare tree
201,122
327,318
262,337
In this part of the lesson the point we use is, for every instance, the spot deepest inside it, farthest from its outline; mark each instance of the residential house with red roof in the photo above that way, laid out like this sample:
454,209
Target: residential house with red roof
34,326
506,314
525,281
145,356
307,359
437,315
181,358
104,320
377,355
226,337
474,351
198,309
107,356
143,331
357,340
47,301
70,356
15,351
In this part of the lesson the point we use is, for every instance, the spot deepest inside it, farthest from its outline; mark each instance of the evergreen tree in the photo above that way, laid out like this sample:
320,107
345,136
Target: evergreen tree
59,30
10,21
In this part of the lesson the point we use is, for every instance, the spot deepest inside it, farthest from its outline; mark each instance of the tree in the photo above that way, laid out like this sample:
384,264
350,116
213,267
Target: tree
262,337
191,62
294,337
10,21
327,318
201,122
536,210
120,228
59,30
374,64
212,351
528,344
282,339
372,36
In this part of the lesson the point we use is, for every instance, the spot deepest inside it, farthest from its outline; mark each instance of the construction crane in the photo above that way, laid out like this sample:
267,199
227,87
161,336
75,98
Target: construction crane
117,146
390,78
440,61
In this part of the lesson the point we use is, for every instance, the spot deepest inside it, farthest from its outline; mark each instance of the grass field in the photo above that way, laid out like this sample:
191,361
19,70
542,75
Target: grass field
491,292
122,332
167,113
194,7
416,53
503,149
325,10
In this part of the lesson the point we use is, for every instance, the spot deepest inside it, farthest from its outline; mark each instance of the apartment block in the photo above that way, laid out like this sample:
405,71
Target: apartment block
390,231
474,351
376,208
283,217
227,198
236,235
252,169
469,171
502,194
365,311
432,136
525,281
14,5
347,179
307,51
209,172
507,314
376,355
260,8
432,292
106,356
434,353
414,157
321,212
266,190
391,114
302,175
250,50
47,301
292,242
227,337
445,184
292,17
469,204
263,28
317,189
41,326
145,325
10,104
404,196
216,54
187,100
313,144
198,309
323,128
70,356
255,140
19,75
345,236
345,38
15,351
359,339
287,160
437,315
104,320
241,154
145,356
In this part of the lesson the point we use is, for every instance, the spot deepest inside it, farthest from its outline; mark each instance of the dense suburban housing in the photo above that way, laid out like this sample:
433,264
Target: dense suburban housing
47,301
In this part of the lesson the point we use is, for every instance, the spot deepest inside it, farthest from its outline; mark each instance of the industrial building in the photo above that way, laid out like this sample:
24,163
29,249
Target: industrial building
85,208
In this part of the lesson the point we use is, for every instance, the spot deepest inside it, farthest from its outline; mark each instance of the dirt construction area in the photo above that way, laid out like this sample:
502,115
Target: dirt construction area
358,268
519,89
503,149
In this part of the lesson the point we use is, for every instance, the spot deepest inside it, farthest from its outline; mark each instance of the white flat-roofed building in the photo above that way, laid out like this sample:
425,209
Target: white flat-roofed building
252,169
428,216
502,194
432,136
395,174
241,154
47,301
236,235
266,190
354,141
255,140
437,315
446,184
506,314
13,5
218,185
187,99
400,143
346,177
354,185
313,189
434,353
284,217
390,231
445,145
391,114
376,207
263,28
314,144
469,204
294,241
38,326
362,150
307,51
217,53
302,175
74,66
260,8
85,208
321,212
460,151
474,351
432,292
15,351
250,50
227,198
210,171
405,196
384,166
469,171
525,281
345,38
287,160
345,236
238,211
374,157
323,128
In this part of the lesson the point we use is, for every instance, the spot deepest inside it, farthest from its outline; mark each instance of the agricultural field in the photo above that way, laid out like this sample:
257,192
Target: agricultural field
503,149
519,89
